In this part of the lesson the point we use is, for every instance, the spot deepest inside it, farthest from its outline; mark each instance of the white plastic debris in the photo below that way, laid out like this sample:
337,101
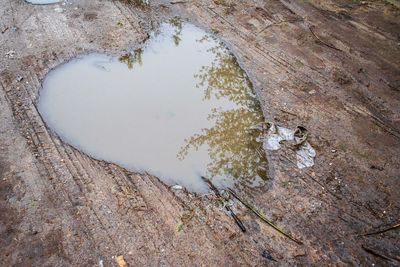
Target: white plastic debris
177,187
10,54
305,156
275,135
305,153
58,9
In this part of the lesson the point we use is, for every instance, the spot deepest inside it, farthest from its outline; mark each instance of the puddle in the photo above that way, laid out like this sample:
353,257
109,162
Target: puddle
178,108
43,2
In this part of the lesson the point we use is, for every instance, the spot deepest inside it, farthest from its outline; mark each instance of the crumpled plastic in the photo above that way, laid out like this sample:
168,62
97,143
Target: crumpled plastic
275,135
305,153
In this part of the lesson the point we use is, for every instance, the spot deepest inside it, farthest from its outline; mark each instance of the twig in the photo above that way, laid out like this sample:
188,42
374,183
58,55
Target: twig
288,112
373,252
278,23
322,42
262,217
384,230
233,215
5,29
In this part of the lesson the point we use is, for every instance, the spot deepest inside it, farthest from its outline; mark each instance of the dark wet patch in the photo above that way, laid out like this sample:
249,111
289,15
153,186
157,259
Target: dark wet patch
6,188
38,250
9,221
9,216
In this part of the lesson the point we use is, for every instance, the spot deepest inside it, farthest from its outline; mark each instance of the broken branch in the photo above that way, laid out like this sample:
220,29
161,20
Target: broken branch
322,42
262,217
218,194
384,230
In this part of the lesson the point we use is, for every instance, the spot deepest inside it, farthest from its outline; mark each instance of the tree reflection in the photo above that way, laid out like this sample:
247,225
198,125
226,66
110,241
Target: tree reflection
131,59
234,144
136,58
139,3
177,23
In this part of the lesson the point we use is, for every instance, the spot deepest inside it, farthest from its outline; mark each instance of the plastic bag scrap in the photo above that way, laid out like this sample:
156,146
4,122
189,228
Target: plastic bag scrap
305,153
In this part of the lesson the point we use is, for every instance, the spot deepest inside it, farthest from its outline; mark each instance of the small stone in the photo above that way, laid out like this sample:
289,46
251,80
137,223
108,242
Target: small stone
299,253
177,187
10,54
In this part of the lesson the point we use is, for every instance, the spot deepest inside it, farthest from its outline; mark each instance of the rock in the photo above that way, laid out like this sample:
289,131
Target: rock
177,187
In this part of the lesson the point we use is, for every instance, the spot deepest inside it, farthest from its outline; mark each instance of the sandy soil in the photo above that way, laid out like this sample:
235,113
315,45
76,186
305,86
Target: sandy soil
330,66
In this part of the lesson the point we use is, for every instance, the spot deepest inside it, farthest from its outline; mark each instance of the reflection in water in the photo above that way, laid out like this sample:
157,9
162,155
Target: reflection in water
139,3
130,60
234,142
179,108
177,23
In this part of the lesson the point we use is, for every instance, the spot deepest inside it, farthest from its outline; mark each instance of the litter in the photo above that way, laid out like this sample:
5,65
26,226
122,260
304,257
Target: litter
305,153
177,187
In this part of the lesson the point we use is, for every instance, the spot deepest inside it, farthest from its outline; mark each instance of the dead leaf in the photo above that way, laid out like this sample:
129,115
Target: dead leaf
120,261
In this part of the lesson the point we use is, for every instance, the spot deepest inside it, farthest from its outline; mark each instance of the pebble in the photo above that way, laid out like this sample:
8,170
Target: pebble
10,54
177,187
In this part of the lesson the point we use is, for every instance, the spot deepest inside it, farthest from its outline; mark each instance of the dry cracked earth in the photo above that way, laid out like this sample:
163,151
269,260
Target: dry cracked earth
330,66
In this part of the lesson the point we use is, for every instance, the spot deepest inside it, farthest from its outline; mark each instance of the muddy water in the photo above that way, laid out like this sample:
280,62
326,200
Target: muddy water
178,108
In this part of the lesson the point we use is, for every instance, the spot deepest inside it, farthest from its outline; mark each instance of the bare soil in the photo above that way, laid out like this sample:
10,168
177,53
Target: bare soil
330,66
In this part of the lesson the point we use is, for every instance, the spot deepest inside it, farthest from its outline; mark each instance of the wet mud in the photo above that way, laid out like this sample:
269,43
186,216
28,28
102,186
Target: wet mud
331,67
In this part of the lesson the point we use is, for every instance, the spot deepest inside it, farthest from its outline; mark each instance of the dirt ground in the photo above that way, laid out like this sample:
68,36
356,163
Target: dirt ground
330,66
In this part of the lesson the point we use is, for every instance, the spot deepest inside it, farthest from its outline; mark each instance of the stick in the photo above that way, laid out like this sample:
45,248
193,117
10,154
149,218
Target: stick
322,42
384,230
262,217
233,215
377,254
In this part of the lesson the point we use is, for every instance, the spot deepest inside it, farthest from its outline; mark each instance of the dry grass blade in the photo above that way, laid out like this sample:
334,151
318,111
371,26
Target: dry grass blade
262,217
379,255
384,230
233,215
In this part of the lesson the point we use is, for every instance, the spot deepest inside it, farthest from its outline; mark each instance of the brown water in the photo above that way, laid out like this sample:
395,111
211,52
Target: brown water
178,108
